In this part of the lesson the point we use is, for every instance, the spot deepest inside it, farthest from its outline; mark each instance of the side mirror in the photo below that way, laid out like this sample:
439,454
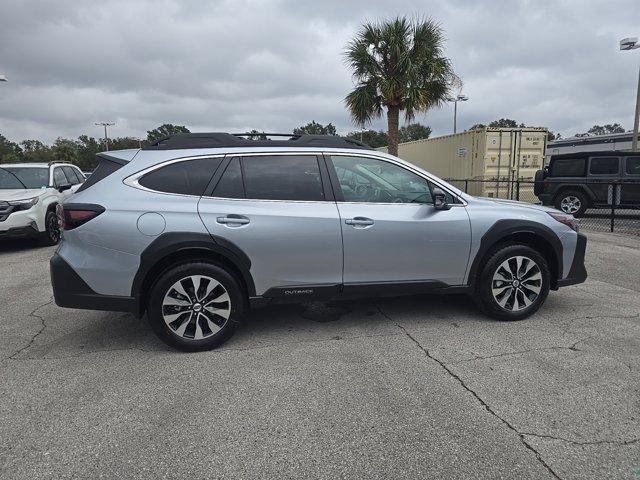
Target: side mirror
62,188
440,199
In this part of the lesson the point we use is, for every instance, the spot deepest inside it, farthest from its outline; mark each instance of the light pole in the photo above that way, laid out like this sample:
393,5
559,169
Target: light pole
632,44
105,125
455,100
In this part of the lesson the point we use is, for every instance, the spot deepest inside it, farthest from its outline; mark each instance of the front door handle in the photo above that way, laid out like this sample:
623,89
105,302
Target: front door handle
359,221
233,220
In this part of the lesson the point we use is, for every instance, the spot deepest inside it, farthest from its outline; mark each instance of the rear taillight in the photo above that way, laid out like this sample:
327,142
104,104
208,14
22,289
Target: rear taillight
72,215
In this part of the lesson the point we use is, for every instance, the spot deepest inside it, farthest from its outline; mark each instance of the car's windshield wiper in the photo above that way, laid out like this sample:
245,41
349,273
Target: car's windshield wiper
10,172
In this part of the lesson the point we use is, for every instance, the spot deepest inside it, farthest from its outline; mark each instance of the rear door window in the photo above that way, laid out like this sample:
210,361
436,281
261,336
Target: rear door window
70,173
568,167
59,178
282,177
604,166
189,177
633,166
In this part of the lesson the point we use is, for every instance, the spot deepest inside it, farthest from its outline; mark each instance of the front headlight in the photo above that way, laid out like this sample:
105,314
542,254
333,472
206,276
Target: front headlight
25,204
568,220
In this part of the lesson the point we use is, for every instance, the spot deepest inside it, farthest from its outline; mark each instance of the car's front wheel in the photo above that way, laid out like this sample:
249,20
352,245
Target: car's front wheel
513,283
52,229
195,306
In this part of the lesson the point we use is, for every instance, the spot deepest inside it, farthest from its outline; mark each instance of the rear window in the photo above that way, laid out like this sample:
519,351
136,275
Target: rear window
568,167
604,166
633,166
189,177
105,168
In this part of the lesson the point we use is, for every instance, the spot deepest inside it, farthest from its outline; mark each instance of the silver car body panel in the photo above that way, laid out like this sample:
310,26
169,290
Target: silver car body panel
289,243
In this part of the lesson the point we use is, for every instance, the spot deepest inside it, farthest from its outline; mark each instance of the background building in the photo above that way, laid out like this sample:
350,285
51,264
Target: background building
491,160
599,143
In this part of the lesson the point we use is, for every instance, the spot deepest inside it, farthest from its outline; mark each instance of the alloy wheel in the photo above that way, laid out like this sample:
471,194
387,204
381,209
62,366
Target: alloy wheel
196,307
53,228
516,283
570,204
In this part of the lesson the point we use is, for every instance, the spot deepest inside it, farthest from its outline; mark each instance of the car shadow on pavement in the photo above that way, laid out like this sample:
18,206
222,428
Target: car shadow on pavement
70,333
18,245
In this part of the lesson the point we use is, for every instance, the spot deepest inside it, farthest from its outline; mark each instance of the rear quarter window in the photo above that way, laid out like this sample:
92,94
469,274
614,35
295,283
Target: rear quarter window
568,167
189,177
604,166
633,166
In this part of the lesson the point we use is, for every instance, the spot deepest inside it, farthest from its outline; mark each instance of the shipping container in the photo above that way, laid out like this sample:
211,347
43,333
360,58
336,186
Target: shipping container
491,154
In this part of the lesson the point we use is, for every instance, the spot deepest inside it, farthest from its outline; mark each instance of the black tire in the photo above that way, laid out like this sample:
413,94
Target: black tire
525,283
572,197
173,331
51,235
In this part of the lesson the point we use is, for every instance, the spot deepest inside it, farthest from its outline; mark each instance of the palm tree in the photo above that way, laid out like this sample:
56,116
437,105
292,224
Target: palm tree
398,65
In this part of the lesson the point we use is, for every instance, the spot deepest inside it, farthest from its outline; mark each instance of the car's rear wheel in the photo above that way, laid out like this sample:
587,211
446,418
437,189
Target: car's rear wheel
573,202
195,306
52,229
513,283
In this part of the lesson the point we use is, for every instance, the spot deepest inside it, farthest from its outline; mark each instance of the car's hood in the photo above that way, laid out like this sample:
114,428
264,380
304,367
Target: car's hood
516,203
19,194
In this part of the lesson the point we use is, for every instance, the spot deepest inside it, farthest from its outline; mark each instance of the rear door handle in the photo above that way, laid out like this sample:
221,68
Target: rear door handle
359,221
233,220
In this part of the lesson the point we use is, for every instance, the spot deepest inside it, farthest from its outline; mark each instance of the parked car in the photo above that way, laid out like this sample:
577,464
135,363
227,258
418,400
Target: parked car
29,193
196,228
578,181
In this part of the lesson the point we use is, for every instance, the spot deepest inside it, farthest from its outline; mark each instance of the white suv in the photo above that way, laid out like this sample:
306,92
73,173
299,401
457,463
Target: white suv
29,193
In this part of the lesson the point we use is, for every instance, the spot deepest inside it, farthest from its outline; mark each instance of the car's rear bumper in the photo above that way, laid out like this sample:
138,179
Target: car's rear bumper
577,272
69,290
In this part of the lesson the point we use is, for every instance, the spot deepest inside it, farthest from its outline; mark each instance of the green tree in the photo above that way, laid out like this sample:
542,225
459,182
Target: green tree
372,138
505,123
10,152
36,151
477,126
124,143
65,150
607,129
414,131
87,148
164,130
256,135
313,128
398,65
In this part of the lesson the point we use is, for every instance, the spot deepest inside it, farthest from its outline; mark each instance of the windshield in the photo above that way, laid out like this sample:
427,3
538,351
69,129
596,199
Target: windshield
23,177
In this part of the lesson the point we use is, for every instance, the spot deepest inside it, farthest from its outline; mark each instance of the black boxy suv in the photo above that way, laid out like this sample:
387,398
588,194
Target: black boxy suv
574,182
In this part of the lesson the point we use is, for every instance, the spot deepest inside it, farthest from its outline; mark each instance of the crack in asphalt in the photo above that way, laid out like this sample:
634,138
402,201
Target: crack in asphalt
487,407
40,330
575,442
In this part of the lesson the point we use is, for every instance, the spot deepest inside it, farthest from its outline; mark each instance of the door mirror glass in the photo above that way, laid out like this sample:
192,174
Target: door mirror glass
440,199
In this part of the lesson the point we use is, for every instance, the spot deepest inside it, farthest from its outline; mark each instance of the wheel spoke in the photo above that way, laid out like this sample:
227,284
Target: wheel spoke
516,283
196,307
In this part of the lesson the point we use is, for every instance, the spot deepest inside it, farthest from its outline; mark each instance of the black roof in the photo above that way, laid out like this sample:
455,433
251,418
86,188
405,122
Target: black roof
598,153
218,140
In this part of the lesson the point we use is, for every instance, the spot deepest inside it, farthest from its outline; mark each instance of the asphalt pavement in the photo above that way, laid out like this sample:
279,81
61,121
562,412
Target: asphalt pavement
416,387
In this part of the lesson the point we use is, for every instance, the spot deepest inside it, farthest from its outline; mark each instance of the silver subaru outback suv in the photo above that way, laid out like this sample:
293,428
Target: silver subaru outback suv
197,228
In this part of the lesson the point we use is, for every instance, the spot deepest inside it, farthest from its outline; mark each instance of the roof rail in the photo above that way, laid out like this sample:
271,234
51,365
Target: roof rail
220,140
59,161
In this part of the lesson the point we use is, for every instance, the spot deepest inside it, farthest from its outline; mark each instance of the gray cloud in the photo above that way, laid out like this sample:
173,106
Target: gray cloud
237,65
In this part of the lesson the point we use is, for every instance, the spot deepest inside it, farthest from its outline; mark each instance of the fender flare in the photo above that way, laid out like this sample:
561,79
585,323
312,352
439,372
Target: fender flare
502,229
171,243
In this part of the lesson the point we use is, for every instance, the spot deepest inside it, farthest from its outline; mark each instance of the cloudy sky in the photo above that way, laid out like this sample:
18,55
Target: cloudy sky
272,65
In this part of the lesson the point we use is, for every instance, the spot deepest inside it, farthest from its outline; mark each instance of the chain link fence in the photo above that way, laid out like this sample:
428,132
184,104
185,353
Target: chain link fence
615,216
